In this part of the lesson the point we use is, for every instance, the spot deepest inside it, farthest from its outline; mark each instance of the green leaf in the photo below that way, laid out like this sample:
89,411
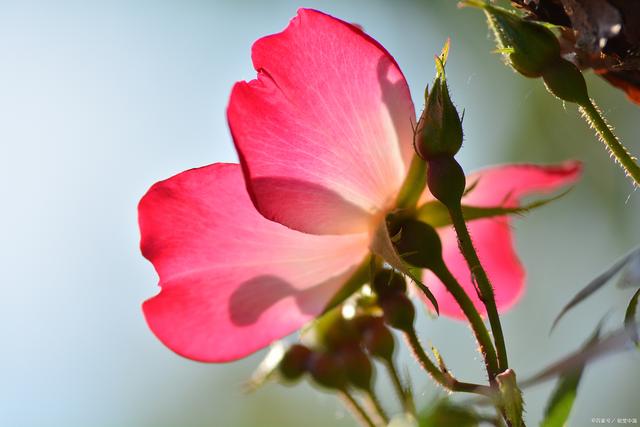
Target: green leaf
597,283
561,401
446,413
436,214
630,318
615,341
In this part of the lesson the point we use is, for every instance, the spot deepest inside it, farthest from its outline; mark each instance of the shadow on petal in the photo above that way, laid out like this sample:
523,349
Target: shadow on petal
307,207
257,295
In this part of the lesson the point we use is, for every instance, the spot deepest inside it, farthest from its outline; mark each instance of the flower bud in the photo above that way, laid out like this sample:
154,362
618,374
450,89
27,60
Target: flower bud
377,338
419,244
399,312
358,367
328,370
564,80
330,331
388,282
530,47
294,362
439,130
446,180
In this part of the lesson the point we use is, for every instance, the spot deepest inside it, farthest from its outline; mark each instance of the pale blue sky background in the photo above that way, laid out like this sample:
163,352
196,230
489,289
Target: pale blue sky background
98,100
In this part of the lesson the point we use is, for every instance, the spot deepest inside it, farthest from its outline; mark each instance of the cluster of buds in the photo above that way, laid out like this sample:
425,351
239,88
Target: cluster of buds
338,348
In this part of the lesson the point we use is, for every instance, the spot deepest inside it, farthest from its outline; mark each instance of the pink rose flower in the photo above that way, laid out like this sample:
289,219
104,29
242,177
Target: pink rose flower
247,254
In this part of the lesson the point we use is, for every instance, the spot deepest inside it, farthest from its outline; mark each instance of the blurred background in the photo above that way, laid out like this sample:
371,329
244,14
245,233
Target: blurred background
99,100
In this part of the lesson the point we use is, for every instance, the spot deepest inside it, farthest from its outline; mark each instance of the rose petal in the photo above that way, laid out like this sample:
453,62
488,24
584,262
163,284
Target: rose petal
503,186
232,281
324,134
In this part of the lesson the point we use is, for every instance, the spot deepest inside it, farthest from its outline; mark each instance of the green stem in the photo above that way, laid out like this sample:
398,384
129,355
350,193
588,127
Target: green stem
413,185
595,119
356,409
375,403
482,280
446,380
405,398
477,325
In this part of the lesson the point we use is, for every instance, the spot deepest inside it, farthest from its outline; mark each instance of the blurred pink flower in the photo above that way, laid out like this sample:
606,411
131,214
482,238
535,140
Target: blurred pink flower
248,253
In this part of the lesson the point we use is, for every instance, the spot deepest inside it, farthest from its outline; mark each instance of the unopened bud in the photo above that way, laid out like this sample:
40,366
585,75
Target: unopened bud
377,338
439,131
388,282
419,244
358,367
530,47
330,331
328,370
564,80
399,312
294,362
446,180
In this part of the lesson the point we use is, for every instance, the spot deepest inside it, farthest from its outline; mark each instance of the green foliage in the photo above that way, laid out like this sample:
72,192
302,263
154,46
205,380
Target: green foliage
564,395
446,413
437,215
561,402
598,283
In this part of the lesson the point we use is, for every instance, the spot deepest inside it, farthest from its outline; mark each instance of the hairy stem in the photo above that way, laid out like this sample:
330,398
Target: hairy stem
377,406
477,325
616,149
482,280
403,395
352,404
446,380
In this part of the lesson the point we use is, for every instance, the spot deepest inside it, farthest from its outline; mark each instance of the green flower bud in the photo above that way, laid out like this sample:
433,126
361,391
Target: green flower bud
439,130
446,180
388,282
564,80
530,47
419,244
399,312
294,362
328,370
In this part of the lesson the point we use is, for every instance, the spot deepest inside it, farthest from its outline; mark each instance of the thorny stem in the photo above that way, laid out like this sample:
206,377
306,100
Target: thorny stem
486,290
446,380
477,325
356,409
405,398
597,122
377,406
